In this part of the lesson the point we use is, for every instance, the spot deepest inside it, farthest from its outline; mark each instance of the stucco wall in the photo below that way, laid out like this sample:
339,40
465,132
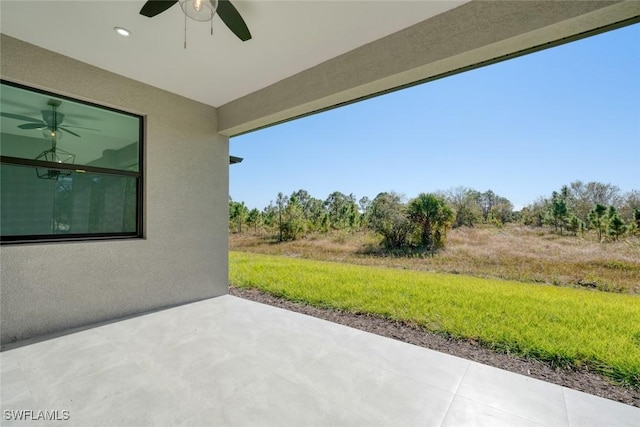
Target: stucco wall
46,288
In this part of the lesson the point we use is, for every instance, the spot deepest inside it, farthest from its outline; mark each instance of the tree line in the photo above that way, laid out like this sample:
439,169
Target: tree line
421,223
582,207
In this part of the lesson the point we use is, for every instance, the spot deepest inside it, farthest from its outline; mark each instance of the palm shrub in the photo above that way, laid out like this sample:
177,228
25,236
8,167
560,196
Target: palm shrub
432,217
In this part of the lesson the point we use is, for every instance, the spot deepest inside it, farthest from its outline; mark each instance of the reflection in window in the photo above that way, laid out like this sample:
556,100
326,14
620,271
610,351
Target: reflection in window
70,170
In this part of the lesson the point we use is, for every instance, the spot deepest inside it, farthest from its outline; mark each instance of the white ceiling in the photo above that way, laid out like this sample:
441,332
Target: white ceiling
288,37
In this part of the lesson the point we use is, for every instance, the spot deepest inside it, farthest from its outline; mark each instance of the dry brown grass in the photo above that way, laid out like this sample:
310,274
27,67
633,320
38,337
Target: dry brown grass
513,252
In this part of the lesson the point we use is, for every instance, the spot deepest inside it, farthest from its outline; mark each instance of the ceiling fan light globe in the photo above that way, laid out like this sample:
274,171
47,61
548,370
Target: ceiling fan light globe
199,10
52,134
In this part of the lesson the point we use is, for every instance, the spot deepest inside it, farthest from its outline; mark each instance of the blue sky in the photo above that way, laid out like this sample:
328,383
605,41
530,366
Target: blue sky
522,128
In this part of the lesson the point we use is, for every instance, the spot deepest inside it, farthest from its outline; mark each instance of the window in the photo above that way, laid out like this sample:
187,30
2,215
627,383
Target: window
69,170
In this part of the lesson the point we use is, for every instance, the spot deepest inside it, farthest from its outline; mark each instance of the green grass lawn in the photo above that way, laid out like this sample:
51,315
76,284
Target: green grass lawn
564,326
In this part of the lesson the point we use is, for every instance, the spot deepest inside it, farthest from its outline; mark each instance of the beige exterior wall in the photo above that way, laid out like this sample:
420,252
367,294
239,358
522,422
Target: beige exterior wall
46,288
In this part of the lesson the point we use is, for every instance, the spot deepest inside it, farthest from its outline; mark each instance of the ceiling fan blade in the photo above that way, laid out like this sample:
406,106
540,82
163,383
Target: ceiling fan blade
33,125
232,19
21,117
69,131
79,127
155,7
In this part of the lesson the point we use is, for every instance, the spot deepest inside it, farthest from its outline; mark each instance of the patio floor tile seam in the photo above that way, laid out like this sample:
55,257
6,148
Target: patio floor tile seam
390,374
498,417
565,417
455,393
392,370
566,406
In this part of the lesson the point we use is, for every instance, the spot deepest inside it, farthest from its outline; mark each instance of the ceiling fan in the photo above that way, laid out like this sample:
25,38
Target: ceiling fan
50,124
227,12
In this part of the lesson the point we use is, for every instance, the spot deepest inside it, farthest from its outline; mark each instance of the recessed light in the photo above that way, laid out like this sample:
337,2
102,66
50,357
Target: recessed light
122,31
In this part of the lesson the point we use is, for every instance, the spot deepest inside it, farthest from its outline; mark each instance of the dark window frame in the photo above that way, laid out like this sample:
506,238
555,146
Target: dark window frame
138,175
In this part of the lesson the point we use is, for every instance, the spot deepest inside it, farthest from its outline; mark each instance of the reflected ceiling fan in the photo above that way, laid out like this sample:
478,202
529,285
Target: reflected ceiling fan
50,124
203,10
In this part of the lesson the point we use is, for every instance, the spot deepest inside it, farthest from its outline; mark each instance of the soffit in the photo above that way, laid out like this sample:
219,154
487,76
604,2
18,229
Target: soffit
474,34
288,37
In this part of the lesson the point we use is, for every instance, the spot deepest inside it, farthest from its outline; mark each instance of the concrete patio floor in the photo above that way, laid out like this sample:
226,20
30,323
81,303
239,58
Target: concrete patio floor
232,362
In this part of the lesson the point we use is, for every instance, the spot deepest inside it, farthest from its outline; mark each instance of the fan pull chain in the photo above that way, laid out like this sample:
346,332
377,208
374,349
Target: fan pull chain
185,29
